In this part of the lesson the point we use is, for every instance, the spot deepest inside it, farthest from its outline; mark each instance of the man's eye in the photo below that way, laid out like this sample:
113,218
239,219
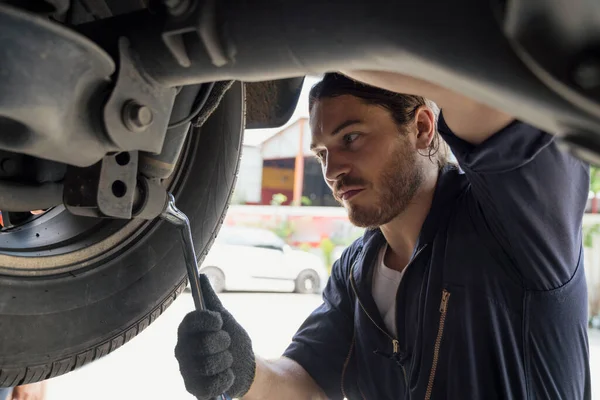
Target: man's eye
350,137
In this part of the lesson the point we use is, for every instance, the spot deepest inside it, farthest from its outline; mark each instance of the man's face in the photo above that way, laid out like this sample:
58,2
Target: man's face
367,161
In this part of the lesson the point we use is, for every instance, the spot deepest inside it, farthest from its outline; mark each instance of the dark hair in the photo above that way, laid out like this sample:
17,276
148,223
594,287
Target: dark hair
402,107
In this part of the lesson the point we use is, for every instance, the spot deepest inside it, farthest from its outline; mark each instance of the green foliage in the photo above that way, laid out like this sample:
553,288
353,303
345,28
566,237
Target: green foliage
595,179
306,201
278,199
589,231
327,246
305,247
284,229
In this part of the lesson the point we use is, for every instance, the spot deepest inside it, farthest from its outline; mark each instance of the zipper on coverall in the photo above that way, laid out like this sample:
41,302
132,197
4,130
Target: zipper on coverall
438,342
395,342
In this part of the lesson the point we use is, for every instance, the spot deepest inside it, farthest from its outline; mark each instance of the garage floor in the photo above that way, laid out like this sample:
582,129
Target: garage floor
146,368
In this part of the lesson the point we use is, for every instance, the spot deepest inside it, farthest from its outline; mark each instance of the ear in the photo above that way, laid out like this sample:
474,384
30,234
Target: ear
425,122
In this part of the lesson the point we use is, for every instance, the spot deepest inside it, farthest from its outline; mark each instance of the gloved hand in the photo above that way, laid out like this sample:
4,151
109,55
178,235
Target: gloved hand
214,352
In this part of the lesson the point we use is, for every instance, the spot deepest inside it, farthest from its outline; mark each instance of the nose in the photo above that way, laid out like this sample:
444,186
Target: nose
335,167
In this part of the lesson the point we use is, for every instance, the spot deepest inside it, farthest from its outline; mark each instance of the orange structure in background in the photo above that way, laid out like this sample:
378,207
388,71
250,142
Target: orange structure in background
277,180
299,167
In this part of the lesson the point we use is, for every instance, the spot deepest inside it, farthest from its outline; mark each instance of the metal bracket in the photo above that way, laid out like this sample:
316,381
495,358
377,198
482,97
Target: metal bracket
137,113
152,199
194,16
106,189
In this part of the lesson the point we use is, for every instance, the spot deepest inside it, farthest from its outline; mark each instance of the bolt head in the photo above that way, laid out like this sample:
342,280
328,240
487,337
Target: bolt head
143,115
137,117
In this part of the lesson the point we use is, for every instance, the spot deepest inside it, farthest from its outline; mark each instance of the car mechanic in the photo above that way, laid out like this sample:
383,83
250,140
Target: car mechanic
468,282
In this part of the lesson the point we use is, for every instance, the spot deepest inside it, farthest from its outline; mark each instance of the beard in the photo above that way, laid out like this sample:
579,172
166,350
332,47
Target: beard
396,187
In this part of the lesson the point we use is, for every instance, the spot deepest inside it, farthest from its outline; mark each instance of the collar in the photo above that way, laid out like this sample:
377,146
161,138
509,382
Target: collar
450,184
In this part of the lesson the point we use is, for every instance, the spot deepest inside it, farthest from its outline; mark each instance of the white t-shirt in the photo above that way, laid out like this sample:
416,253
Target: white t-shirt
385,286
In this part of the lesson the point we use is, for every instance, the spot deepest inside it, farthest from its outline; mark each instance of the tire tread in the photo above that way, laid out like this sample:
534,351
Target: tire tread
15,377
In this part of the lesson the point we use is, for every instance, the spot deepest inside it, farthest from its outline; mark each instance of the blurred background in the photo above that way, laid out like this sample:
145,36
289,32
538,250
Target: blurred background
271,260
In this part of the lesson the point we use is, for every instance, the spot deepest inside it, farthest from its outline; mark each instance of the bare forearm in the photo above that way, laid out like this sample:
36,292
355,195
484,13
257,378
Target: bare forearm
32,391
468,119
399,83
282,379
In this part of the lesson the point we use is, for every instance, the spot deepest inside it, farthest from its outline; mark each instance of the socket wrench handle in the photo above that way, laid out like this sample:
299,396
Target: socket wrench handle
176,217
173,215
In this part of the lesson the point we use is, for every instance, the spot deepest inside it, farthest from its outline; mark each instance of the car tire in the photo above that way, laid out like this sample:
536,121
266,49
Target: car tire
308,282
216,278
53,323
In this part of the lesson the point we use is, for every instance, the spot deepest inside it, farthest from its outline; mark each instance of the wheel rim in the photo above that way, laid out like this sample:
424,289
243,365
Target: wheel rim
59,242
309,284
216,281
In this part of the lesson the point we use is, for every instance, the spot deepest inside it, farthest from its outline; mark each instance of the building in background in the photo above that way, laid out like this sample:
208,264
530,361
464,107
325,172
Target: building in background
282,165
249,181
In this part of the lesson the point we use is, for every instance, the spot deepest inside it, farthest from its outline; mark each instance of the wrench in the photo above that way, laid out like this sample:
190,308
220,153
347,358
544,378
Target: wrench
173,215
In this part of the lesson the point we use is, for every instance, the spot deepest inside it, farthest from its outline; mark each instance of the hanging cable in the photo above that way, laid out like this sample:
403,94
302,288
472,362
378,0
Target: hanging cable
201,102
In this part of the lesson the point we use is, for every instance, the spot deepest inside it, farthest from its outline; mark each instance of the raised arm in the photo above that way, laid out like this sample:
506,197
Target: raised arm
471,121
530,193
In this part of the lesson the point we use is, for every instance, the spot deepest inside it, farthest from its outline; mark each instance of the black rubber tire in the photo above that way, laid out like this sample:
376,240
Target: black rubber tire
52,325
303,276
216,277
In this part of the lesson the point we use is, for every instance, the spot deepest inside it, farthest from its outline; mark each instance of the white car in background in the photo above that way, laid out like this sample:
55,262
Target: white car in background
253,259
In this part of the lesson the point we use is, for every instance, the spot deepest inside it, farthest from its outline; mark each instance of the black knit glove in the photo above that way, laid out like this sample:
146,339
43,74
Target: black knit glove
214,352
